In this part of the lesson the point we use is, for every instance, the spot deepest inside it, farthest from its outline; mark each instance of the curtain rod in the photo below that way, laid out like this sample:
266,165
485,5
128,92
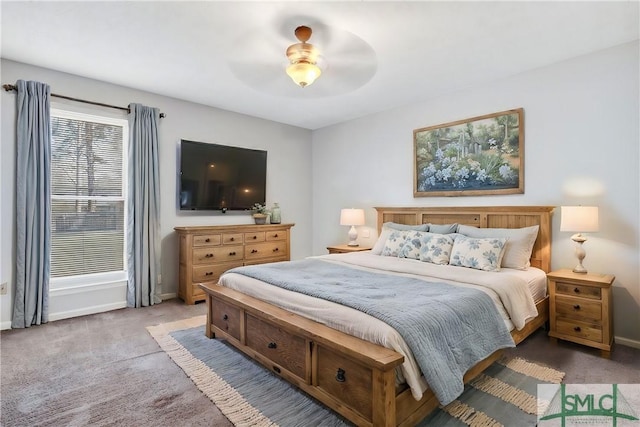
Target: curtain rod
9,88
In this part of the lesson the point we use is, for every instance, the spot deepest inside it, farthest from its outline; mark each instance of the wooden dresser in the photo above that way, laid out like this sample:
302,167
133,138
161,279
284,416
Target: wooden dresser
208,251
580,308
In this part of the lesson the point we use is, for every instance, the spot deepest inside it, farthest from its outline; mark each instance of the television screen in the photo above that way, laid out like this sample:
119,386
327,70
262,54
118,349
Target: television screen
220,177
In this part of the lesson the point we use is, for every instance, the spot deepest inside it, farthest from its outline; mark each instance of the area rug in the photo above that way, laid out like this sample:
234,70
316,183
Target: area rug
250,395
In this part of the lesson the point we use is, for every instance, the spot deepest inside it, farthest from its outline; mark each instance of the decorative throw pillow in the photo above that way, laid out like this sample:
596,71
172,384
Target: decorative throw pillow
394,243
412,244
481,254
443,228
436,248
387,228
517,252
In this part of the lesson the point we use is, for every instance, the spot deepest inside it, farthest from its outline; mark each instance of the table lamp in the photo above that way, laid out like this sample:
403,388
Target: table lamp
579,219
352,217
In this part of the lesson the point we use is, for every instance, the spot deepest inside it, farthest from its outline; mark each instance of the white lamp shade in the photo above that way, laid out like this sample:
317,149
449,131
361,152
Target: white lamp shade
352,217
581,219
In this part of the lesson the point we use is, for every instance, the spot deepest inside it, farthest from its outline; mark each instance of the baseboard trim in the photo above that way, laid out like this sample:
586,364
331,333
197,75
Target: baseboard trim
168,296
627,342
87,310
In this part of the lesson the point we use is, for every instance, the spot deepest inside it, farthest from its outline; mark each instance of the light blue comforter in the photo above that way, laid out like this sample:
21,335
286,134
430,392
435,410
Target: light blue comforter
448,328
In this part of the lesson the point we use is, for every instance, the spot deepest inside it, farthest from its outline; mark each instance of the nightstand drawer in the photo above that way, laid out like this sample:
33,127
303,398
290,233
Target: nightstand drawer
578,290
579,329
578,308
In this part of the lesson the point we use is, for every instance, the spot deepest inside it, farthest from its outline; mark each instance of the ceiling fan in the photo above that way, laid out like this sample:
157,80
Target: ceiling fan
303,56
267,61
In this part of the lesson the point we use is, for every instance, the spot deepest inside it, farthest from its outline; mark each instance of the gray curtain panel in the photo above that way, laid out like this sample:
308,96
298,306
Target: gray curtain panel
143,208
33,205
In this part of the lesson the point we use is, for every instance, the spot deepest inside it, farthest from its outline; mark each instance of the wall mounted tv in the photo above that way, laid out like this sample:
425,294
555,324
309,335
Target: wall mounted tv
220,177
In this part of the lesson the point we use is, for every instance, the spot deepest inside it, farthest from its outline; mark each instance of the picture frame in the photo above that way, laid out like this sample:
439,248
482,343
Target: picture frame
482,155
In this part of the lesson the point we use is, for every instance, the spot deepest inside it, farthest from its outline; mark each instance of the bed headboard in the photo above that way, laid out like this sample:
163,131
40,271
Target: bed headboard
482,217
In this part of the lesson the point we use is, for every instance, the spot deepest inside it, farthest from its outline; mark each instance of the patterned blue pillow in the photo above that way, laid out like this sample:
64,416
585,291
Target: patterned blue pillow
481,254
394,243
412,245
436,248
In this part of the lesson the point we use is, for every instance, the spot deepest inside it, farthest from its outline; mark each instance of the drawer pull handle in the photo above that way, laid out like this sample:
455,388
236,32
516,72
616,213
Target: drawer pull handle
275,368
255,237
208,273
340,375
207,240
576,290
232,239
254,251
208,256
275,250
576,307
577,328
232,254
225,317
272,345
275,235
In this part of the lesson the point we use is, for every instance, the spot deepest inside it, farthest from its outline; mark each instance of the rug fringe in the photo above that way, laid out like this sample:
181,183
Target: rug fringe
543,373
228,400
469,415
506,392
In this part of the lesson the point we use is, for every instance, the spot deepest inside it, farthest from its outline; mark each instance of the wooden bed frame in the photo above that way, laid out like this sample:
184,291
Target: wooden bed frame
354,377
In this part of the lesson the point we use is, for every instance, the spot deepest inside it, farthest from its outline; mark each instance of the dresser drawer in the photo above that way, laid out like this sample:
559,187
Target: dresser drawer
579,308
345,379
584,330
284,349
265,250
232,238
592,292
226,317
211,273
256,237
275,235
217,254
206,239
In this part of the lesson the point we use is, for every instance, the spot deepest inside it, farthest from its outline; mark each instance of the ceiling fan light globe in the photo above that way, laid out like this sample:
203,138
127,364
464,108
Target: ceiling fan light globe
303,73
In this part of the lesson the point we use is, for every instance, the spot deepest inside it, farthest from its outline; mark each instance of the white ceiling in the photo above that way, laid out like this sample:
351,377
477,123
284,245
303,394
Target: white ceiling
376,55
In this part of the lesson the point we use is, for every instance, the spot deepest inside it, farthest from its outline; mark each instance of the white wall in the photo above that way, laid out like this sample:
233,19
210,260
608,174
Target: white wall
581,147
288,173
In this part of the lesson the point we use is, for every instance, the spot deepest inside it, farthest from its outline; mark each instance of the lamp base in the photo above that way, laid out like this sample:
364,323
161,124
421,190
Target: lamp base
580,253
353,236
580,269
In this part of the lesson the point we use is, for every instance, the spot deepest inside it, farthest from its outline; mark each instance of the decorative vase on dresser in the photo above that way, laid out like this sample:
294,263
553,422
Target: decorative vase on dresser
275,214
581,308
208,251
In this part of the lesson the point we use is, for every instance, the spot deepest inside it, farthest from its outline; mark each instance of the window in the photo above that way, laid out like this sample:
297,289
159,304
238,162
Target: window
88,193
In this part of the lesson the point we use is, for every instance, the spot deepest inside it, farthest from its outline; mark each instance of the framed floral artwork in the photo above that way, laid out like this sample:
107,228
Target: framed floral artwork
471,157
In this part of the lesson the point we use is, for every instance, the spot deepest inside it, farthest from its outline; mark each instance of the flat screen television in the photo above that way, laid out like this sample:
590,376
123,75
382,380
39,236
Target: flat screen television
220,177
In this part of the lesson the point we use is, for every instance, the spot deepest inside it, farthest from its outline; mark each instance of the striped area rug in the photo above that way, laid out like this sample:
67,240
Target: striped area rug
249,395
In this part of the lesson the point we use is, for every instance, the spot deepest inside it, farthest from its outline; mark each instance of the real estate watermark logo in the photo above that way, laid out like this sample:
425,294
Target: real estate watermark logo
567,405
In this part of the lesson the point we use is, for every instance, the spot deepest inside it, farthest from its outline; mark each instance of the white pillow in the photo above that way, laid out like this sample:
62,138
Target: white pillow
481,254
394,243
517,253
387,228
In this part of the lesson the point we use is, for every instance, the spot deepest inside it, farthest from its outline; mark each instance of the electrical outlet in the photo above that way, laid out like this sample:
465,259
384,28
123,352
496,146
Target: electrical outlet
366,234
3,288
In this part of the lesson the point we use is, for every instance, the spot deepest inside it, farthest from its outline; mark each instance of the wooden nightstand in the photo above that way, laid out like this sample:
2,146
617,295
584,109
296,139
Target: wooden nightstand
580,308
343,249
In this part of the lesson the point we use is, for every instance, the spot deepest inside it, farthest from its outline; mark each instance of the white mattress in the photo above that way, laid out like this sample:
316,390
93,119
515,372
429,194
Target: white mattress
366,327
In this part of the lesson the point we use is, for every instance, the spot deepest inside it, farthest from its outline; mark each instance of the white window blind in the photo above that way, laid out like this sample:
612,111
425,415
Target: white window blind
88,190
